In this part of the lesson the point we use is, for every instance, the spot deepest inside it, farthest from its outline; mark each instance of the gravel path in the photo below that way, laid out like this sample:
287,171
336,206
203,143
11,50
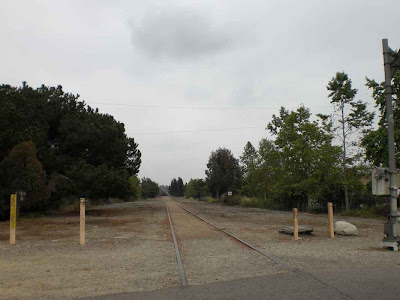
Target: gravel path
211,256
128,248
261,228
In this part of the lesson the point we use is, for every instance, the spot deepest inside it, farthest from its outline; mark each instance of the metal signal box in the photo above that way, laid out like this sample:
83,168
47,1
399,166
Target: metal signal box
381,182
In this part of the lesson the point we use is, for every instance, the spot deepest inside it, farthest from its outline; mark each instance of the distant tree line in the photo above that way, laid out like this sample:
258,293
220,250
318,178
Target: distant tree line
150,189
52,146
176,187
311,159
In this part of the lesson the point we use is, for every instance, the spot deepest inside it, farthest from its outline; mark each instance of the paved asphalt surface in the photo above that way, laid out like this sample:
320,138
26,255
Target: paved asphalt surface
354,284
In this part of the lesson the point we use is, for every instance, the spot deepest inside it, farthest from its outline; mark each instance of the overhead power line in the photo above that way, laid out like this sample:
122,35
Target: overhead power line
197,107
191,131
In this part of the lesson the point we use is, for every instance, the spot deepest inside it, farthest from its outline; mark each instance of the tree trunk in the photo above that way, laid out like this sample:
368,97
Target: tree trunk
346,190
308,202
346,197
217,194
17,206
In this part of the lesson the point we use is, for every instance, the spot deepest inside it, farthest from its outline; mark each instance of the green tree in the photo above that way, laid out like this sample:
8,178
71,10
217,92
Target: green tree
133,157
24,171
173,188
181,187
248,159
223,172
150,188
270,164
99,182
134,182
177,188
249,165
375,142
21,171
306,156
196,188
68,135
353,116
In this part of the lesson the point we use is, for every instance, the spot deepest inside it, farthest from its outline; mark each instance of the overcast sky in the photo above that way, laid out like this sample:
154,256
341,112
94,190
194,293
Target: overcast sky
145,61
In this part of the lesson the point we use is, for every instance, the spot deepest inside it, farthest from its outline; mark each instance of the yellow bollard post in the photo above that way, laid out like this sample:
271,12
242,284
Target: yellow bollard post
13,217
295,225
330,220
82,221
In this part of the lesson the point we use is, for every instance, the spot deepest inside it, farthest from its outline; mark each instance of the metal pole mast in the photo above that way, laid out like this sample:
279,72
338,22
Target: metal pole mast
393,236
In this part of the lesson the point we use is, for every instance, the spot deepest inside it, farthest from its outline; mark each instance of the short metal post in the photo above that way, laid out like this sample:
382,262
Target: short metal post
82,221
330,220
13,217
295,225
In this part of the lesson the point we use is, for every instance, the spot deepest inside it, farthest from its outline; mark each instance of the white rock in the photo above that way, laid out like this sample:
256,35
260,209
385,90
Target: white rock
345,228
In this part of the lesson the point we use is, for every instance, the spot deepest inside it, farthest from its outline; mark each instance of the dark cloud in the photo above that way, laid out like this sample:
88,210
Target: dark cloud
179,34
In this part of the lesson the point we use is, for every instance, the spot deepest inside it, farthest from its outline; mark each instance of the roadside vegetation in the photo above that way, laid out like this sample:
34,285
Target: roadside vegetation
375,212
311,160
57,148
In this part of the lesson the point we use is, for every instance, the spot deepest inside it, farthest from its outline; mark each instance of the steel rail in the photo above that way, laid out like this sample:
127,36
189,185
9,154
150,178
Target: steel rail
269,256
178,254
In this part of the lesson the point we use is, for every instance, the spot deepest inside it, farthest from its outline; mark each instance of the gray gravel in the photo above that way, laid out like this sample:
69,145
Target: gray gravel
261,228
128,249
211,256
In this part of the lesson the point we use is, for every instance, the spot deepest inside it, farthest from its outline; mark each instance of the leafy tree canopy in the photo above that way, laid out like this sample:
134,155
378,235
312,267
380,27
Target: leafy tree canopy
223,172
176,188
375,142
67,138
307,160
149,188
196,188
352,116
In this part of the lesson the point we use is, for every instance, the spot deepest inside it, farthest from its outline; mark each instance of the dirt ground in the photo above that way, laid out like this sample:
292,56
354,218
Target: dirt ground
129,248
261,227
209,255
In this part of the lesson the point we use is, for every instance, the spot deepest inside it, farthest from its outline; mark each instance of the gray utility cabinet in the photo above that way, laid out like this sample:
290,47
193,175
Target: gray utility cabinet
381,182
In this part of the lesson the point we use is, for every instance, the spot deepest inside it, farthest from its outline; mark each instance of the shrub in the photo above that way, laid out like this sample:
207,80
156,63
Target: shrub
209,199
230,200
375,212
249,202
382,209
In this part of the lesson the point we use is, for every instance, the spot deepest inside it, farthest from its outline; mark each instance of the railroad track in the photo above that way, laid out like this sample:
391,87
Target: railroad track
177,252
267,255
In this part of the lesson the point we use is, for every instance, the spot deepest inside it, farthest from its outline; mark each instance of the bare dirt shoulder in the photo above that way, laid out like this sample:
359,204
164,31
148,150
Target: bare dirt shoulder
128,248
261,228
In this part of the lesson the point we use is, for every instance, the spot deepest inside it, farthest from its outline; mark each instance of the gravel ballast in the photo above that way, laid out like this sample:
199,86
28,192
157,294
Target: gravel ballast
129,248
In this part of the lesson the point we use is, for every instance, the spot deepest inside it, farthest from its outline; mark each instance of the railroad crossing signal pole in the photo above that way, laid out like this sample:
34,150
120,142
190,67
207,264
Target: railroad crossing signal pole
392,64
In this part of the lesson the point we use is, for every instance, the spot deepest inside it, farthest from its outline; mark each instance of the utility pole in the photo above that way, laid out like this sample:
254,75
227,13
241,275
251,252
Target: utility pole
391,61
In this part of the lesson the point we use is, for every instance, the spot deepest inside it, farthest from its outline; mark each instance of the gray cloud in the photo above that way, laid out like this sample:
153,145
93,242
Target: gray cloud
179,34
